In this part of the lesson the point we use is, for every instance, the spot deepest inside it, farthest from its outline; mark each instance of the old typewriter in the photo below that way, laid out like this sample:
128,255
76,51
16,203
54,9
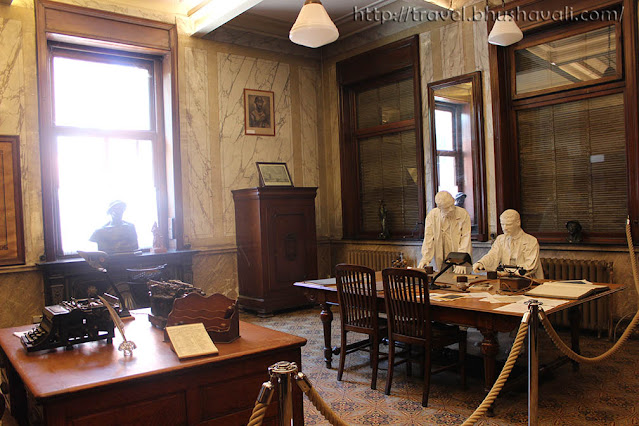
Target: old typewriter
69,323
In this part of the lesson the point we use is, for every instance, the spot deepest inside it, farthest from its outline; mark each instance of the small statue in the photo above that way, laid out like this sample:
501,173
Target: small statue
158,241
383,214
117,236
574,229
460,199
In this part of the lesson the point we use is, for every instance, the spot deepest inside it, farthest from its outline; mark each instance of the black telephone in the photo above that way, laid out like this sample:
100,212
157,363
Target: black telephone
68,323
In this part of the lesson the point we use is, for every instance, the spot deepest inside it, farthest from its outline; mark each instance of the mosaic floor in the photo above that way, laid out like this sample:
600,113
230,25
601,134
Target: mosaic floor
601,394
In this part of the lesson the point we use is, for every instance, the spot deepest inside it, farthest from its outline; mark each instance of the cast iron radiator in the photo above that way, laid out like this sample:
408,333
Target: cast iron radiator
596,315
376,260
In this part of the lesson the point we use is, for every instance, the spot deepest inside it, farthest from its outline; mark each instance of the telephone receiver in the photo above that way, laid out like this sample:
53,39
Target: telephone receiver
511,269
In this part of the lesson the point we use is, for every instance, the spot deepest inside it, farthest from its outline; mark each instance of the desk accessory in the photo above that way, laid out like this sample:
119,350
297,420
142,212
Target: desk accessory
69,323
218,313
126,346
190,340
515,280
163,294
453,259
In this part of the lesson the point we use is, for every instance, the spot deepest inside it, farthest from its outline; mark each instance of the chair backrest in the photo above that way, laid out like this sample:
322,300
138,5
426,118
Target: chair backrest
357,295
407,302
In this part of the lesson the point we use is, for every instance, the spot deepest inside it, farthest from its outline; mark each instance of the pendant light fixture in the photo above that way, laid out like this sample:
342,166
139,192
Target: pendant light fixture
505,31
313,27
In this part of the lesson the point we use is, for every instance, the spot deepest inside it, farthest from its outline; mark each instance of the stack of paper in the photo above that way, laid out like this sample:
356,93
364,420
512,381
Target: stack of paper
566,289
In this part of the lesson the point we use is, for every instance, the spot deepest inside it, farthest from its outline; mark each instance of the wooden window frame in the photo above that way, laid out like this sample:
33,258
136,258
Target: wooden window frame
505,105
94,32
385,65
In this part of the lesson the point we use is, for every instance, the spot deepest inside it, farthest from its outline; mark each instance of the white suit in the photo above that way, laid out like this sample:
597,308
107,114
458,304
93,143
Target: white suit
445,235
521,250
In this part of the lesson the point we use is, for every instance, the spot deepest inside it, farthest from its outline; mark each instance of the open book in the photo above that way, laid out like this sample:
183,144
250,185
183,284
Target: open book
191,340
576,289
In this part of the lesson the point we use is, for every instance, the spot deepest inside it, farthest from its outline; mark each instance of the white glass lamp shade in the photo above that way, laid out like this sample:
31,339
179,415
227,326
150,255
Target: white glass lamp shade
313,27
505,32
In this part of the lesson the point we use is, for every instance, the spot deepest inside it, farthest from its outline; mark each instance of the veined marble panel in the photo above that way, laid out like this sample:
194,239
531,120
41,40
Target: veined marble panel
244,38
240,151
452,49
197,169
12,90
22,298
332,153
216,273
426,63
309,87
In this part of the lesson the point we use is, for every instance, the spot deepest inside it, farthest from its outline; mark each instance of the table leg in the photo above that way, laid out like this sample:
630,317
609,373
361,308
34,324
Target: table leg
575,324
327,318
489,349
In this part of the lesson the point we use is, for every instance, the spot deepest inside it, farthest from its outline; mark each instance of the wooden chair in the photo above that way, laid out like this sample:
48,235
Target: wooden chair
357,296
409,321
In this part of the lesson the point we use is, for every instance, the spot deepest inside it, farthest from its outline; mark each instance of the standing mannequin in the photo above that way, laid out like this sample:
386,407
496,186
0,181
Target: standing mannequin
514,247
447,230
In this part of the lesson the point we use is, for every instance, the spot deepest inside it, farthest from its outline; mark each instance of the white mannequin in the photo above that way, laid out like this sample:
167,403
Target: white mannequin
447,230
513,247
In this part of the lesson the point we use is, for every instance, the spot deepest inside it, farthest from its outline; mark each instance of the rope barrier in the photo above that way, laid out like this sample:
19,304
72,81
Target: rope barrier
626,334
503,376
258,414
305,385
261,404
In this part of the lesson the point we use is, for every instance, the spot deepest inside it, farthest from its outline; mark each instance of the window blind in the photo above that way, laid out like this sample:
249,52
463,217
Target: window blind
572,162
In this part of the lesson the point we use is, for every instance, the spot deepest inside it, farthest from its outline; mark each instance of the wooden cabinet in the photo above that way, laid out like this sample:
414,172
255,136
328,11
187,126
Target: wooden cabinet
276,246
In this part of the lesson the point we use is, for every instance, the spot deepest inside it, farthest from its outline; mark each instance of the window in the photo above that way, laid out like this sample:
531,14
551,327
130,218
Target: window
381,146
109,128
574,147
105,140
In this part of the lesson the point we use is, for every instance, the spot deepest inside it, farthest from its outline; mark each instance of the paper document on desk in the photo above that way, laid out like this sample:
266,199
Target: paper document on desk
496,298
446,297
521,307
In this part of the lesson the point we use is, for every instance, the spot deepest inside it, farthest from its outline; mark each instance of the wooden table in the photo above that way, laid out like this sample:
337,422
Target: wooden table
464,311
95,384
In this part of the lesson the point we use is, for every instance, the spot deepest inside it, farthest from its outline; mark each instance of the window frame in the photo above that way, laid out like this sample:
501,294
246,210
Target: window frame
505,105
385,65
82,31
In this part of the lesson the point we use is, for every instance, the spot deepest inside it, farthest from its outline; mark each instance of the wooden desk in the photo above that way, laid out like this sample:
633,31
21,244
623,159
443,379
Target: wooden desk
95,384
464,311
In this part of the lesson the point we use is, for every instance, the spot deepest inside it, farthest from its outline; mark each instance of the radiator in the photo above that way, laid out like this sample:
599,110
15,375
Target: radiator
596,315
376,260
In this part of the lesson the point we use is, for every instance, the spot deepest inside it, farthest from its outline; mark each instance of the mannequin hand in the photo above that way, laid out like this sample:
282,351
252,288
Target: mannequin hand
421,264
478,267
459,270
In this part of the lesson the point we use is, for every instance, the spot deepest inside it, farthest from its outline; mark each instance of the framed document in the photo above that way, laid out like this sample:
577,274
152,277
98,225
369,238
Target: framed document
274,174
259,113
11,225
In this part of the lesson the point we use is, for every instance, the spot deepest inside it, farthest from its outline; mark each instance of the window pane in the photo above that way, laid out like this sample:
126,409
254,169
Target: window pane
385,104
98,95
573,165
92,173
447,175
583,57
388,173
444,130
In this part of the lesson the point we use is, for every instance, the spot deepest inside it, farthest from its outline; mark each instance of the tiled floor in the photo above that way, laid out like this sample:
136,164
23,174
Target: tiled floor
606,393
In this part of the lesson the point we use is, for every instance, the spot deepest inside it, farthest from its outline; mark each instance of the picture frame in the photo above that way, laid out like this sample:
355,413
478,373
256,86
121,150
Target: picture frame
259,112
274,174
11,221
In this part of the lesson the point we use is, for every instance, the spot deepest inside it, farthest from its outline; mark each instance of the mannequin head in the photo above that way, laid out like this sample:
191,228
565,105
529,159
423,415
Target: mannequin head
445,202
510,222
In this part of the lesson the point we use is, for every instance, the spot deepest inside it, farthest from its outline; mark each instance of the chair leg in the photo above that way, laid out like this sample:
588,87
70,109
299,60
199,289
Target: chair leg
426,389
409,363
462,359
342,356
391,362
374,361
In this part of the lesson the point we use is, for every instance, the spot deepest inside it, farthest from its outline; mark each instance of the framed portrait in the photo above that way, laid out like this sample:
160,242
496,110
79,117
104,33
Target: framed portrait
259,113
11,225
274,174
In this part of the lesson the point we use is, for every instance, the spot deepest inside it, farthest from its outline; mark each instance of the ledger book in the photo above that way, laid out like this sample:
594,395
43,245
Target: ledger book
191,340
566,289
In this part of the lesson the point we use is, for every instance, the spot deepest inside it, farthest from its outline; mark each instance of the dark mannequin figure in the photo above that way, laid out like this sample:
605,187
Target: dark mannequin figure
383,217
117,236
574,229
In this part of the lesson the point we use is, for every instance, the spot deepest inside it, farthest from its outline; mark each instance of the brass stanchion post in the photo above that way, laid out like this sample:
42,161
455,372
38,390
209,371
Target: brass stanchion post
284,371
533,362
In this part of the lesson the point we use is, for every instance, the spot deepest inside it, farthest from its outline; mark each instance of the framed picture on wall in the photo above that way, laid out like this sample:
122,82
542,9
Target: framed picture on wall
274,174
11,225
259,113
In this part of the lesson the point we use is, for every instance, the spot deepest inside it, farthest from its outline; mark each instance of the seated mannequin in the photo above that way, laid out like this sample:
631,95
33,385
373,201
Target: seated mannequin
514,247
447,230
117,236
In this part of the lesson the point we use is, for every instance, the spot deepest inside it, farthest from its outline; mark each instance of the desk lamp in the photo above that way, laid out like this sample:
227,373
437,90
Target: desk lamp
453,259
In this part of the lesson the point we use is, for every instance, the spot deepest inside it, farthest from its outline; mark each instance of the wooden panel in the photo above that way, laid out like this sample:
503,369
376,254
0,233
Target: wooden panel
11,226
80,22
169,409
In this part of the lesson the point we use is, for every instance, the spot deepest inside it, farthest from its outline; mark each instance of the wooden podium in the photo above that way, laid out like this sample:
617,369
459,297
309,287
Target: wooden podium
276,246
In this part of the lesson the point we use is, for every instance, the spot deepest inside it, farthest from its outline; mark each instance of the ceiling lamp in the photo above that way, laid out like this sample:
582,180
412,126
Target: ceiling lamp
313,27
505,31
